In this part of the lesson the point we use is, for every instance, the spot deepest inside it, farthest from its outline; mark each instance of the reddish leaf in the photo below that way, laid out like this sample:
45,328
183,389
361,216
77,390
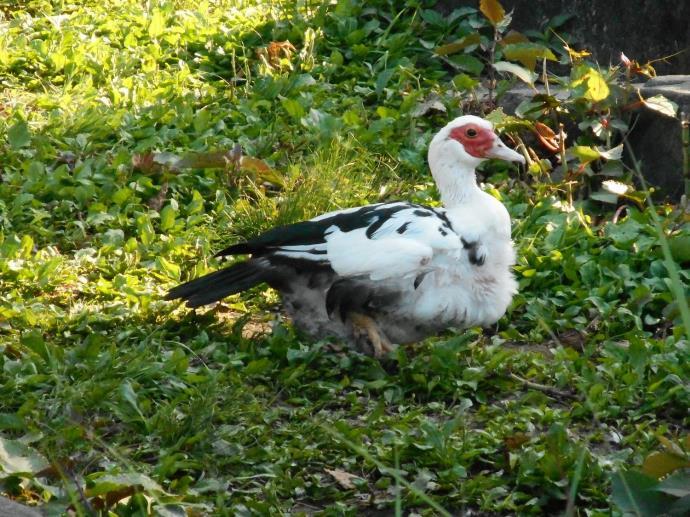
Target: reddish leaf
547,137
634,67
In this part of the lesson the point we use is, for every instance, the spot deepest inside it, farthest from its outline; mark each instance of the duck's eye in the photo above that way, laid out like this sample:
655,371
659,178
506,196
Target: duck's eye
471,132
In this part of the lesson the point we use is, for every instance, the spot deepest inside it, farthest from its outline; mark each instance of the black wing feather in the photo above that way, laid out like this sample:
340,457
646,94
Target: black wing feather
314,231
219,284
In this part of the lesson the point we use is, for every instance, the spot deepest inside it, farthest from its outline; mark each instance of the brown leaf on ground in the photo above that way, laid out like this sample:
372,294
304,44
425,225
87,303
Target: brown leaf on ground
571,338
231,160
278,49
145,162
343,478
515,441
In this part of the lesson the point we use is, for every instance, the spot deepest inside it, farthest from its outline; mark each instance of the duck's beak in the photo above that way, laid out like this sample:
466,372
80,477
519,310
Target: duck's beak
500,151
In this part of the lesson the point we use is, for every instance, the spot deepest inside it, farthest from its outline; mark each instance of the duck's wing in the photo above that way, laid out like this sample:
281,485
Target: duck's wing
378,241
372,243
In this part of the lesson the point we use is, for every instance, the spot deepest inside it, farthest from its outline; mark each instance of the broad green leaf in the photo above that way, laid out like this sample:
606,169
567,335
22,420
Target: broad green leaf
433,17
102,484
113,237
167,218
337,58
457,46
122,195
157,24
18,135
493,10
17,458
127,392
585,153
352,118
145,230
604,197
468,63
527,53
464,82
680,247
12,422
293,108
662,105
623,232
634,492
677,484
521,73
34,341
170,268
58,60
595,87
383,78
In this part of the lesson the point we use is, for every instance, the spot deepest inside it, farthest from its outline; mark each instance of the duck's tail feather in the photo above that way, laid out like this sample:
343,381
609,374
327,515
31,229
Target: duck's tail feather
219,284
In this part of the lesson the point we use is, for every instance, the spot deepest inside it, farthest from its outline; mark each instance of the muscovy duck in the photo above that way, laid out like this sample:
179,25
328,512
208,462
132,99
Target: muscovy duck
389,272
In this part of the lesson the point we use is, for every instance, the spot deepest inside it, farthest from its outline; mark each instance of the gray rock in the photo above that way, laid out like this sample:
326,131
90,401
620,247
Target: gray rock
656,140
9,508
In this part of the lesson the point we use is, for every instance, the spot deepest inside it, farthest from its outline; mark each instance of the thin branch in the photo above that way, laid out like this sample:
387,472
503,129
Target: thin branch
541,387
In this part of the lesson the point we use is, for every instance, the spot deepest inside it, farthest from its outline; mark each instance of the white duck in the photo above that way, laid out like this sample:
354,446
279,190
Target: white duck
389,272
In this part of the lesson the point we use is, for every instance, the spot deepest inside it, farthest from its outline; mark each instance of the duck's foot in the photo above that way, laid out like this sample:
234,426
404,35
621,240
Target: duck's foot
366,330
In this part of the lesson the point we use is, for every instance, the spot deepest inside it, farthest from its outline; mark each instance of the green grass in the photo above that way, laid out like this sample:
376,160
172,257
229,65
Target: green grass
112,398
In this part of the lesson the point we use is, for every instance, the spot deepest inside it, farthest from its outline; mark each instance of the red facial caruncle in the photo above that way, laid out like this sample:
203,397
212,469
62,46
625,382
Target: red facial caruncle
476,140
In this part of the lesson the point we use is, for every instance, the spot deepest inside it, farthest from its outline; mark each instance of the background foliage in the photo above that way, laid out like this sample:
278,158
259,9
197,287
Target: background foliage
114,400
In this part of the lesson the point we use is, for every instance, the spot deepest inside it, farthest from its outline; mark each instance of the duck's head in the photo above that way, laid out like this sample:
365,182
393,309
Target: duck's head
469,140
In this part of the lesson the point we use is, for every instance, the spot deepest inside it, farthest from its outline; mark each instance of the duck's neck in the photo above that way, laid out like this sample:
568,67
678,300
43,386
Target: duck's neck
456,182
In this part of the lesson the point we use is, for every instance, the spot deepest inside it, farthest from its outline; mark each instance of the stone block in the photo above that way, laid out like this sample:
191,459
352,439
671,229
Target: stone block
655,139
9,508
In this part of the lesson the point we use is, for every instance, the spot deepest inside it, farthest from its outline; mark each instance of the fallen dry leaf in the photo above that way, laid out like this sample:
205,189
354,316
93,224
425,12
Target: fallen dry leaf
233,159
343,478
